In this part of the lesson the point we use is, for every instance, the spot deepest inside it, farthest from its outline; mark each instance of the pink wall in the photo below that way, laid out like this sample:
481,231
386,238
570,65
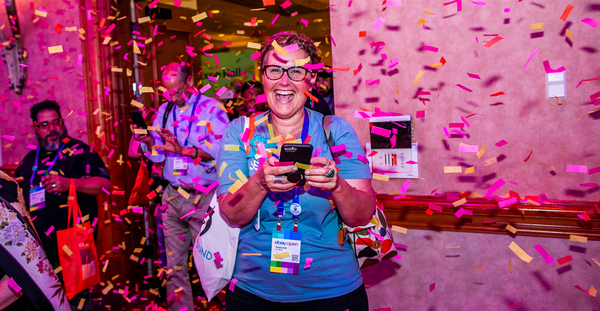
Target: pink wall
523,117
56,76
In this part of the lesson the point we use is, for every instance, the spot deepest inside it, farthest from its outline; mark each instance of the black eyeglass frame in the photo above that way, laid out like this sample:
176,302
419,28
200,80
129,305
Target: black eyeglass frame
286,71
55,123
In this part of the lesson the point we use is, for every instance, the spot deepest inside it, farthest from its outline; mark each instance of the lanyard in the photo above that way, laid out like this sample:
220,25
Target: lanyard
37,158
295,209
304,125
189,122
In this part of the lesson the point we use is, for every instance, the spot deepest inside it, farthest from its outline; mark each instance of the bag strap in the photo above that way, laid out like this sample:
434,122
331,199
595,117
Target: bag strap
166,115
72,203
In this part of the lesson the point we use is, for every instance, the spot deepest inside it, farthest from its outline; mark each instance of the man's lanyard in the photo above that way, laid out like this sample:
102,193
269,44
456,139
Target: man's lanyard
37,158
304,125
189,122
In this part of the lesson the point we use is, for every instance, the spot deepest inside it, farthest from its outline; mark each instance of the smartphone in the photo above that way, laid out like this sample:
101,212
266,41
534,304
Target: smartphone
138,119
300,153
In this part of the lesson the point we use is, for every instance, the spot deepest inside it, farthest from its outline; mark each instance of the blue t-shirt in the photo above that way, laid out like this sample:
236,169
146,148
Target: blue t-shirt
334,270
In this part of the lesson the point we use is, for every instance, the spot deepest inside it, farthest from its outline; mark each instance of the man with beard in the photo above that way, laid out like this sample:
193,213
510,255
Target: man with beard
188,137
324,85
45,175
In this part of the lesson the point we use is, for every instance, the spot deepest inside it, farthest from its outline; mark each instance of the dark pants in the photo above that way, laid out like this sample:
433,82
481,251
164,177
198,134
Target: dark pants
241,300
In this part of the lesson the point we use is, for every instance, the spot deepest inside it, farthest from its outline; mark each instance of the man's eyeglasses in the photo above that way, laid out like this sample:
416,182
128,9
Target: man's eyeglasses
296,73
46,124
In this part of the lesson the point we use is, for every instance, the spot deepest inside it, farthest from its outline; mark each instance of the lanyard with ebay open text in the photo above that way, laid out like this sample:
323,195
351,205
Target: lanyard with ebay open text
295,207
37,158
189,122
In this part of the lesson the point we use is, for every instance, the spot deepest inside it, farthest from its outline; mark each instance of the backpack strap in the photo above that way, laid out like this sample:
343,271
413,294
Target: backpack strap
327,131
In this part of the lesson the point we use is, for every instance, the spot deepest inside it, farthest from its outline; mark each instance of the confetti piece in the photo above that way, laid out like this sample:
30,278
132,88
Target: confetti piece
578,238
419,75
381,177
478,2
421,22
530,58
232,284
431,287
564,260
378,23
430,48
542,251
501,143
14,286
507,202
550,70
528,156
592,23
286,4
468,148
308,262
254,45
577,169
565,14
493,41
251,254
514,306
399,229
497,94
67,250
232,147
569,33
420,114
520,252
464,88
474,76
481,152
459,202
452,169
470,170
55,49
537,26
512,229
405,186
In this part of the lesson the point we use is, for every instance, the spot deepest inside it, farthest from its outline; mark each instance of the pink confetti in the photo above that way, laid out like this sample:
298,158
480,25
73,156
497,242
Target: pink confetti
291,47
474,76
468,148
499,183
232,284
274,19
405,186
542,251
11,138
464,88
411,162
531,57
431,287
381,131
204,189
577,169
308,262
430,48
493,41
205,88
286,4
478,2
465,121
507,202
594,170
305,22
501,143
110,28
14,286
221,91
378,23
420,114
372,82
550,70
592,23
462,212
262,98
255,55
314,66
393,3
338,148
506,10
435,207
458,4
49,231
446,132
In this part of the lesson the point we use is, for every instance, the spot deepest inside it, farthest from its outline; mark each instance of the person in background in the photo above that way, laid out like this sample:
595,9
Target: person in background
45,175
324,85
188,139
250,90
237,103
315,271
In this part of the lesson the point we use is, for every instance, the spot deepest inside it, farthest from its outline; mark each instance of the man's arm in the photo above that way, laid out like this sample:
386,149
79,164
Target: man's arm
91,185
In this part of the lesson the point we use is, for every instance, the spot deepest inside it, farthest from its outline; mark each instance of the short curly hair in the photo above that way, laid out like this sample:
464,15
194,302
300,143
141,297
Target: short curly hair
286,38
43,106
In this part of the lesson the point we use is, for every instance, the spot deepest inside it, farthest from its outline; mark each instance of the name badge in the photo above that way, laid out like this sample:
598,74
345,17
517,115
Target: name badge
37,198
285,251
180,166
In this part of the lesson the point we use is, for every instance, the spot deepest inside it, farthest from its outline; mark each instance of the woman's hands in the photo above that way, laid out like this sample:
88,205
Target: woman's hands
323,174
271,179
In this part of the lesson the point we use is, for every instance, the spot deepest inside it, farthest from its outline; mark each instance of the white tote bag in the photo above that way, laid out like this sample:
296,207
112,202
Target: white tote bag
215,250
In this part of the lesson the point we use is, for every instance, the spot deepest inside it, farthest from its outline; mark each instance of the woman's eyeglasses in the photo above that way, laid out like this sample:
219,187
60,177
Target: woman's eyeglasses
296,73
46,124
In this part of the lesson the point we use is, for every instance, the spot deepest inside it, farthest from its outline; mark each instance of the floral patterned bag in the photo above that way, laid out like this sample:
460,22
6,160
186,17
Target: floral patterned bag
373,242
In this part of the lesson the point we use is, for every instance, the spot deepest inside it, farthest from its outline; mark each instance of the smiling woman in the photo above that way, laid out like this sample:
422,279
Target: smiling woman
297,225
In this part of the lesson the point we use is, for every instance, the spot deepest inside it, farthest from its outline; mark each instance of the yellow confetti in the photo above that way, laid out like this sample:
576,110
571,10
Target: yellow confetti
241,176
470,170
381,177
481,152
235,187
399,229
302,166
278,47
537,26
452,169
144,19
459,202
55,49
592,291
519,252
421,21
261,120
509,266
41,13
59,269
578,238
569,33
512,229
428,12
254,45
136,103
223,166
199,17
208,144
419,75
301,62
598,263
67,250
146,89
183,193
281,255
136,48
